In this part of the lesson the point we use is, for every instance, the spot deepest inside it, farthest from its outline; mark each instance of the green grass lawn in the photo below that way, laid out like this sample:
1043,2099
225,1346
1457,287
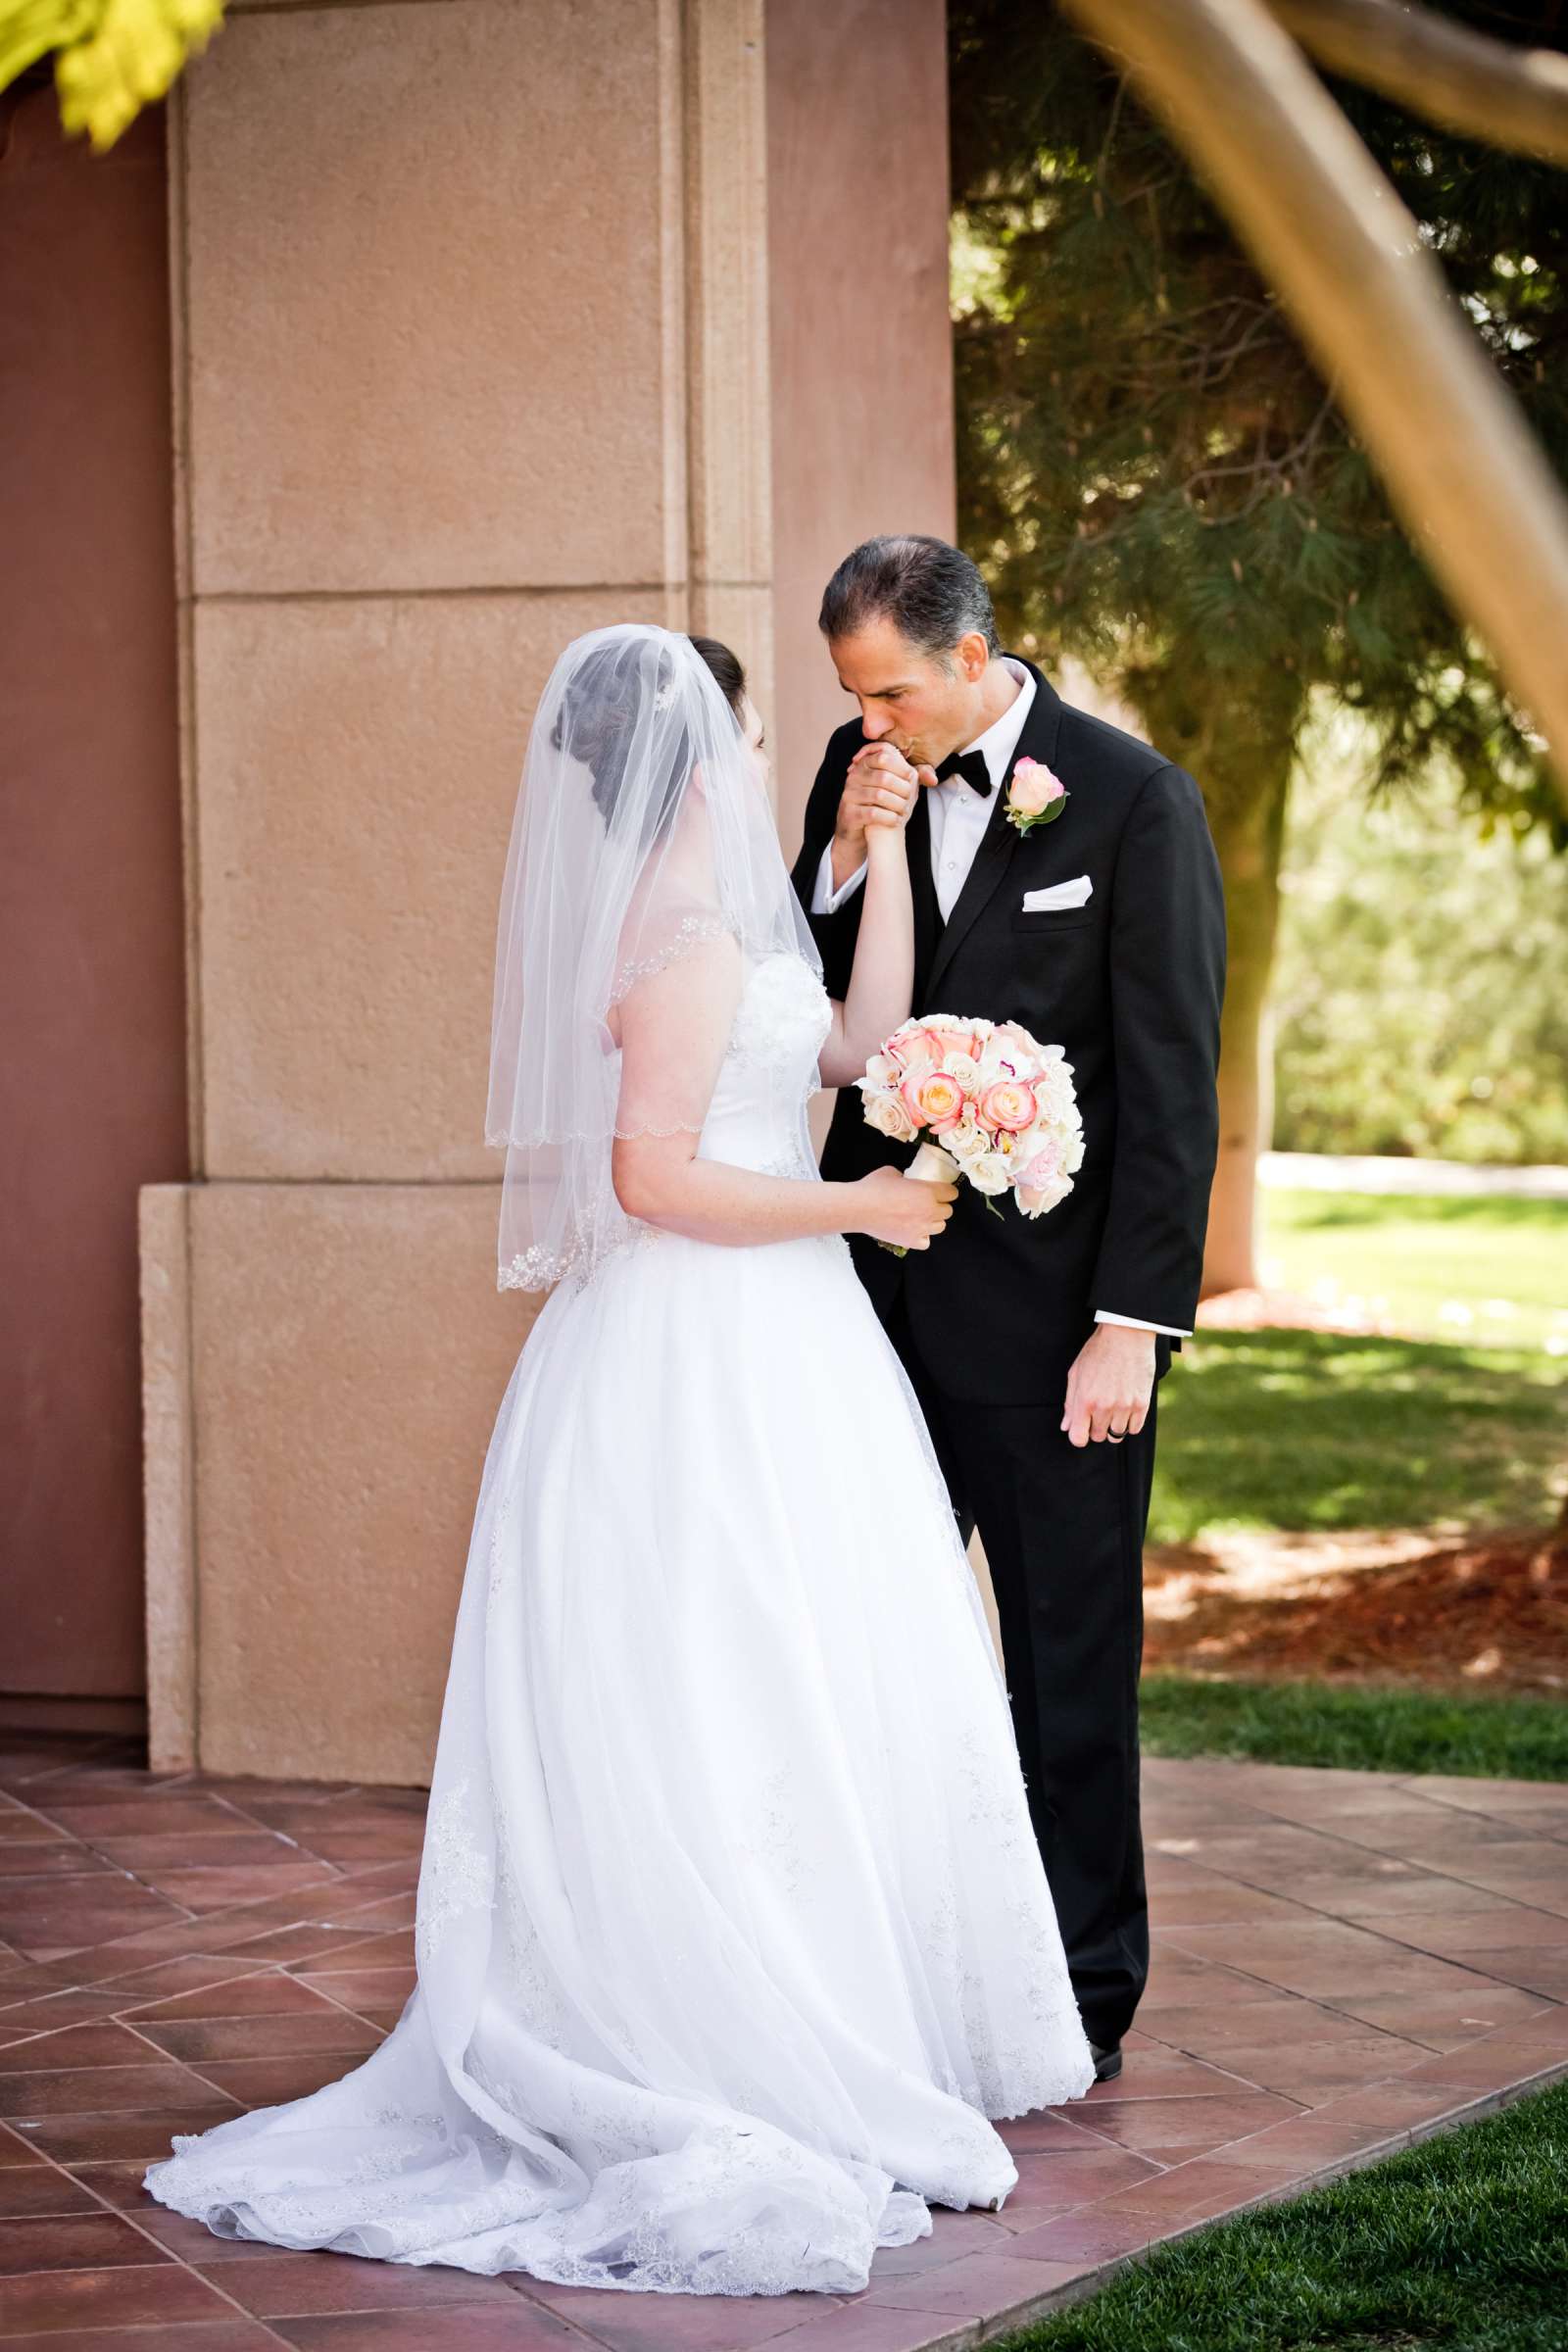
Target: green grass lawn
1459,2245
1304,1430
1495,1270
1464,1426
1360,1727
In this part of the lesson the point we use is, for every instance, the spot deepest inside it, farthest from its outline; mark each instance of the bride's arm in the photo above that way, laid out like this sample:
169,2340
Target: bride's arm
673,1030
882,980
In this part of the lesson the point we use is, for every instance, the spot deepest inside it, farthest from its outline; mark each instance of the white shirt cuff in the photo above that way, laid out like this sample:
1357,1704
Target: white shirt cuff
1132,1323
825,899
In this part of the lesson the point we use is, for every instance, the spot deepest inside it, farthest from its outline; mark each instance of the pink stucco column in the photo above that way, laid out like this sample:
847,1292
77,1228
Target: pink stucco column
494,321
860,355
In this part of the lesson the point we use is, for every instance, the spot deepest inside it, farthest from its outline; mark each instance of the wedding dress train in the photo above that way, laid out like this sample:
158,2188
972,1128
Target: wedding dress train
732,1930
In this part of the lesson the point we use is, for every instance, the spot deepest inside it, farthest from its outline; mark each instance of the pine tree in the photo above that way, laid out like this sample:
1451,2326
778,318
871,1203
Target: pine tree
1155,479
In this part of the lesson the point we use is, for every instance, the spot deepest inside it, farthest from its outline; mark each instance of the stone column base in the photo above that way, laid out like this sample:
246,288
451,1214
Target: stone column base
322,1365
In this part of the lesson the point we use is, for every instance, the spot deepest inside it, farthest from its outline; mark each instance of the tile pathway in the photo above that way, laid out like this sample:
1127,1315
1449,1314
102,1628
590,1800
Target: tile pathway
1345,1962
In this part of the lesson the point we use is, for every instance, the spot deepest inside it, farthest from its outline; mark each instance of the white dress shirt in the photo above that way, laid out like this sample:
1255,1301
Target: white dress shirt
959,817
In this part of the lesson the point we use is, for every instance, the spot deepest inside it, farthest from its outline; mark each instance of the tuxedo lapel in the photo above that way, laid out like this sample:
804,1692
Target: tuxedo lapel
1038,741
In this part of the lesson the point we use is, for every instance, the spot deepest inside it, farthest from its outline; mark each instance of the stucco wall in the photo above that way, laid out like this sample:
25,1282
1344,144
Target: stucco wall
861,357
92,1080
472,351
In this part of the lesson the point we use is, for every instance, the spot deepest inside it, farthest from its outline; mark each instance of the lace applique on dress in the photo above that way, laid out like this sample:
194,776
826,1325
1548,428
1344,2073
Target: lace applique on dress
779,1839
531,1980
793,1160
456,1873
782,1020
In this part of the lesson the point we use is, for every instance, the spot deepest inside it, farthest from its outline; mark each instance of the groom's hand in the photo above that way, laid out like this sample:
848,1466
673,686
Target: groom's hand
1110,1384
879,789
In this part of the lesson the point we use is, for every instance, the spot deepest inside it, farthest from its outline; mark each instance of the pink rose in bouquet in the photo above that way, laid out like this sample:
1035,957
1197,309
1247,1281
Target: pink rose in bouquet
989,1104
955,1040
1008,1106
1044,1182
933,1099
915,1048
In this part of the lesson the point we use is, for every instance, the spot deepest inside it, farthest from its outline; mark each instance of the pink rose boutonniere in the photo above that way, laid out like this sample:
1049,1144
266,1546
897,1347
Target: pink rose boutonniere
1035,797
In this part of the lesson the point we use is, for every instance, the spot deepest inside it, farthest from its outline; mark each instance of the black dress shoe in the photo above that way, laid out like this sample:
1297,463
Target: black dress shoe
1107,2063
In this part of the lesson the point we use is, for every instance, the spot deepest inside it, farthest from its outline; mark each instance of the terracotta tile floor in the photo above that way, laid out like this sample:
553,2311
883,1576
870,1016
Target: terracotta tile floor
1343,1963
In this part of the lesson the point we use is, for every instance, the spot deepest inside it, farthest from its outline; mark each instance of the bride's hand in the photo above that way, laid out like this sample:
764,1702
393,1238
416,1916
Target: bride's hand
885,827
902,1210
884,789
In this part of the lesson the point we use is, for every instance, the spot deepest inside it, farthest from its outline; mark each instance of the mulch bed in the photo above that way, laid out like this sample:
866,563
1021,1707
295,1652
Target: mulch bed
1483,1612
1478,1614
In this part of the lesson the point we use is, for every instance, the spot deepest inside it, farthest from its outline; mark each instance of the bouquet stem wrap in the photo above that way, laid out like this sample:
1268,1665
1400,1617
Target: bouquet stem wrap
930,1165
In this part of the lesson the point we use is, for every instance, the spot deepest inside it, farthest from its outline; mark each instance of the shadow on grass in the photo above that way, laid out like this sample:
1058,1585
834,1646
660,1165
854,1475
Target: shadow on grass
1304,1430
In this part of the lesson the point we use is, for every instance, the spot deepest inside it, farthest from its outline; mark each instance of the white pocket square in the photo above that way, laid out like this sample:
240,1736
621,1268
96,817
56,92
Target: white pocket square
1075,893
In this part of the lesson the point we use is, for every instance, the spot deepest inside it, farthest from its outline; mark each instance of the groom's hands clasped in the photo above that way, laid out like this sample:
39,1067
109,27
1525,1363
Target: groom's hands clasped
1109,1388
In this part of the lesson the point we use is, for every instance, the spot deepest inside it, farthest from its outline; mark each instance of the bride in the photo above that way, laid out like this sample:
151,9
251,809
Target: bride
732,1928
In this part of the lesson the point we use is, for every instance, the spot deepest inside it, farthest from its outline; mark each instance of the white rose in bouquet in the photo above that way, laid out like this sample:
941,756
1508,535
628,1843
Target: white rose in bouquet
887,1115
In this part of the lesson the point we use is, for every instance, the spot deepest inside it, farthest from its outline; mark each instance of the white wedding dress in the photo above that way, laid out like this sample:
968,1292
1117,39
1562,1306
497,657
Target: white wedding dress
732,1930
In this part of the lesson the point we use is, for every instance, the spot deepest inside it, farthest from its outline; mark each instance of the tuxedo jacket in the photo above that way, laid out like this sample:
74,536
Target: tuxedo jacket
1129,984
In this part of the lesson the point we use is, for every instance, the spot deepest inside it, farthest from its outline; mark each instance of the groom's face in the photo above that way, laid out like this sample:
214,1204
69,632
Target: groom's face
925,705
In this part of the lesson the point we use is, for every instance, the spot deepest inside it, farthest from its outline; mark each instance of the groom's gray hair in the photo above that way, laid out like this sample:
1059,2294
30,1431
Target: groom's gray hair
931,592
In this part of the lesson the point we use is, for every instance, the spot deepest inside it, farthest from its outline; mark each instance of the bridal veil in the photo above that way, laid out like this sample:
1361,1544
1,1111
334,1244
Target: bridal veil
643,855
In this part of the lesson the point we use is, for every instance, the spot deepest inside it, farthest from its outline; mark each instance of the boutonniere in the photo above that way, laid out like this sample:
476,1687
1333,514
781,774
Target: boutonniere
1035,797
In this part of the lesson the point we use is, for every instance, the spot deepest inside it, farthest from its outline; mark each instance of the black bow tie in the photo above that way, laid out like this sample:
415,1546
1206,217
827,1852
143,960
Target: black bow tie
972,766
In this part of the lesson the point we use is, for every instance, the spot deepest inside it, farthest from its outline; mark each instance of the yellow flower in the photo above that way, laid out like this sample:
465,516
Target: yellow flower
122,53
29,28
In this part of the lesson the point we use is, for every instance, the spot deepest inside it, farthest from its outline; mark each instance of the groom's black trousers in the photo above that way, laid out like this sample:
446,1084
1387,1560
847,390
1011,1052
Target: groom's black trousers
1064,1531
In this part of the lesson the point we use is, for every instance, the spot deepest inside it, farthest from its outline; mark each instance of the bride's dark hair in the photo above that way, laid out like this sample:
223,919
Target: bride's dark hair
727,669
598,717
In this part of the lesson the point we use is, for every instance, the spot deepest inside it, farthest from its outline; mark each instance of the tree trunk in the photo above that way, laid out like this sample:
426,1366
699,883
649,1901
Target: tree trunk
1249,840
1241,747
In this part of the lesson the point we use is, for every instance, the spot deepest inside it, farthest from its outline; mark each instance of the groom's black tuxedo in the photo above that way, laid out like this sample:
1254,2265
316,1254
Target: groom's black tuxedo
989,1319
1129,984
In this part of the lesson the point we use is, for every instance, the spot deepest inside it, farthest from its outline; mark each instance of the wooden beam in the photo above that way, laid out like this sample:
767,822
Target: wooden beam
1327,230
1465,81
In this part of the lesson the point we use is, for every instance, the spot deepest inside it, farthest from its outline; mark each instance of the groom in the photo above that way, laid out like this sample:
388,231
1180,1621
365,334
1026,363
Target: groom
1034,1347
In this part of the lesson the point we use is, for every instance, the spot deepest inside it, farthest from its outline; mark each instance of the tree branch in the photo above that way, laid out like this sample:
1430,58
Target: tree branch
1325,227
1465,81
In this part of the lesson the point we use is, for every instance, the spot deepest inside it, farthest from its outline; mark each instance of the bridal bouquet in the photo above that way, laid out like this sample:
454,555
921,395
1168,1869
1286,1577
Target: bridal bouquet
987,1103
